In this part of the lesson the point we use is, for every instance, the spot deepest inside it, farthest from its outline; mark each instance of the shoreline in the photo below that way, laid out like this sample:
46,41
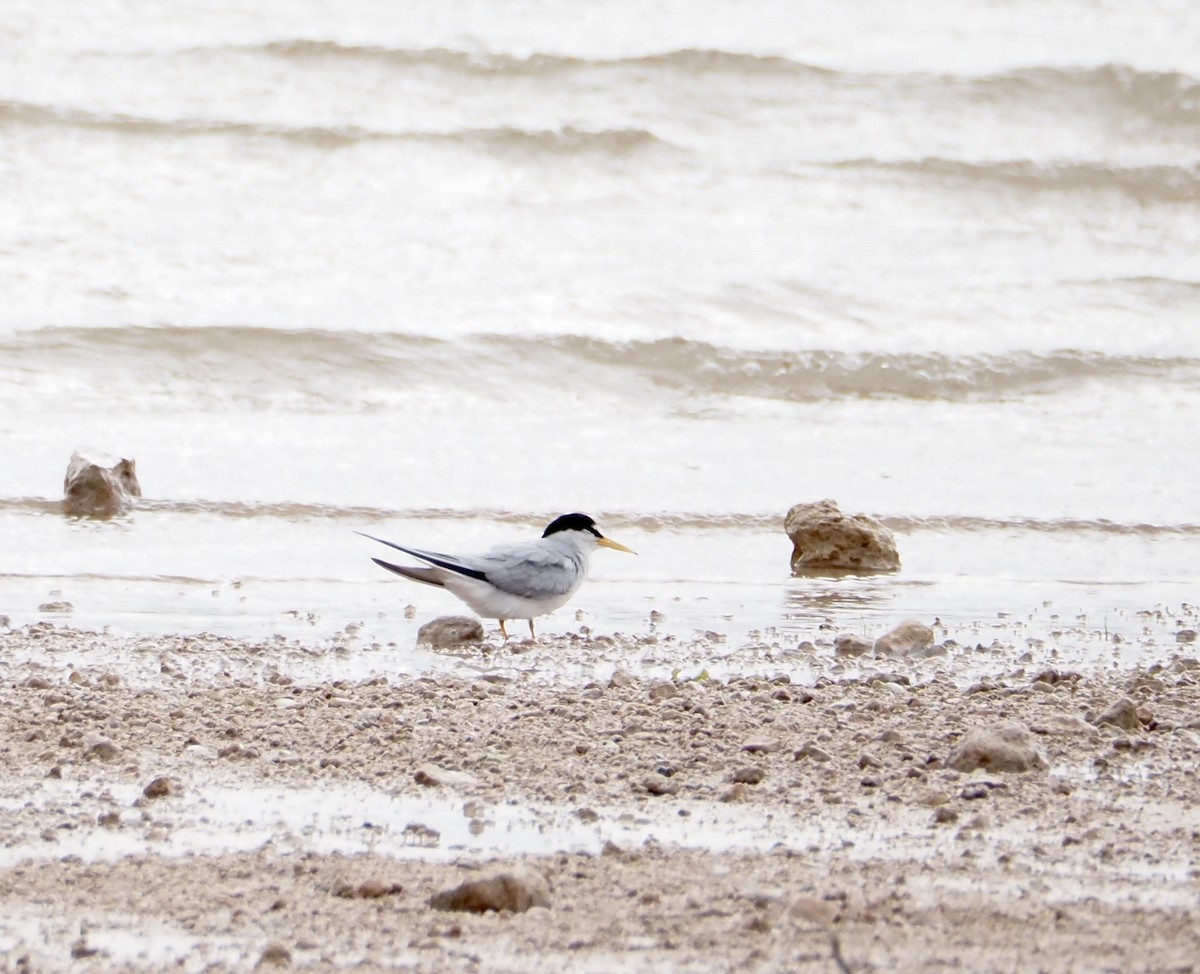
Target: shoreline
187,819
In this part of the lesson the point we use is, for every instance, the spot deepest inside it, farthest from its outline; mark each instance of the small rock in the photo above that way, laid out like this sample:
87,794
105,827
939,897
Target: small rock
824,539
997,747
657,784
160,787
275,955
448,632
760,747
1123,714
516,889
749,775
432,776
811,750
910,638
100,747
59,608
945,815
848,644
1185,636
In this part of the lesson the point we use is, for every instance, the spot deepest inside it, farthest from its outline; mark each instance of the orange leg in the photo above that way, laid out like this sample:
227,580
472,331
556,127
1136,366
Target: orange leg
503,631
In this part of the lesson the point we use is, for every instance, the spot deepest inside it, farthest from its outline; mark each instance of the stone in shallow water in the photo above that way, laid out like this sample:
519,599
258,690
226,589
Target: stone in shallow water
826,540
95,488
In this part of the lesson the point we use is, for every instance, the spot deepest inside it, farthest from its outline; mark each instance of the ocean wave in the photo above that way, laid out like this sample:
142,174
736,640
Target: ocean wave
825,374
1169,97
688,60
322,368
1166,96
565,140
1146,184
678,521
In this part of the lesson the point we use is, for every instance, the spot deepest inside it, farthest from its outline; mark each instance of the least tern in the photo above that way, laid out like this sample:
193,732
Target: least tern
516,581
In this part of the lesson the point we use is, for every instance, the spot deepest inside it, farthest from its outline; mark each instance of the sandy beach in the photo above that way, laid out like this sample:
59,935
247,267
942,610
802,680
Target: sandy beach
256,817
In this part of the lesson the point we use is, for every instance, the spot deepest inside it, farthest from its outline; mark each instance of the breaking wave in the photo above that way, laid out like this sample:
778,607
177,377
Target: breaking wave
318,369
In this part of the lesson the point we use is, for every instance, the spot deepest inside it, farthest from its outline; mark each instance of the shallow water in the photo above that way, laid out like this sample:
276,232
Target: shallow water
442,278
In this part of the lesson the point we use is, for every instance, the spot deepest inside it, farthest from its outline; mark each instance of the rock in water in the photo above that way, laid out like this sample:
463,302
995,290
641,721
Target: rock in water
997,747
516,889
94,487
446,632
910,638
826,540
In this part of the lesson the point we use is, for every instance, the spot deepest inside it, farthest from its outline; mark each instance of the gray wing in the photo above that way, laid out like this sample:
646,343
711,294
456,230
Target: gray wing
530,570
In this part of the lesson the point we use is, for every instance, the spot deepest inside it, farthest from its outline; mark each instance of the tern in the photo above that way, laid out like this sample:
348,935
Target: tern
514,581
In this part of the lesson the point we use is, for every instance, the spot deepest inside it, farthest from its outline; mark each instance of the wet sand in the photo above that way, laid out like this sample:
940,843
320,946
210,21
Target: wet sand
196,803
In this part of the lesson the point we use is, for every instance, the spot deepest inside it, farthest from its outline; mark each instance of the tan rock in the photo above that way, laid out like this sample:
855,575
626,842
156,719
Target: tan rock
826,540
997,747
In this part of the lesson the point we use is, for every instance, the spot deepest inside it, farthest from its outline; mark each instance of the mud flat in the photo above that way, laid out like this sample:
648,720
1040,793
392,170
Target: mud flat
194,803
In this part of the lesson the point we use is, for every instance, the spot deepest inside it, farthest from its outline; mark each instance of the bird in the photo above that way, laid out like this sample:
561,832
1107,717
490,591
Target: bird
513,581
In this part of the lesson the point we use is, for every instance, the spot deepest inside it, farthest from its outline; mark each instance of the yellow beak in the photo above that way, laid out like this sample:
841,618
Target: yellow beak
615,545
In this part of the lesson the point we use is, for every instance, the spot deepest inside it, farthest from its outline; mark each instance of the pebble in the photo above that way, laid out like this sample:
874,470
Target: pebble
749,775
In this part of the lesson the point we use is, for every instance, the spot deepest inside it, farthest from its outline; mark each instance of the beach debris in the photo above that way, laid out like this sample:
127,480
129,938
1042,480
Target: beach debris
1185,636
1004,746
910,638
96,487
448,632
826,540
1123,713
515,889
